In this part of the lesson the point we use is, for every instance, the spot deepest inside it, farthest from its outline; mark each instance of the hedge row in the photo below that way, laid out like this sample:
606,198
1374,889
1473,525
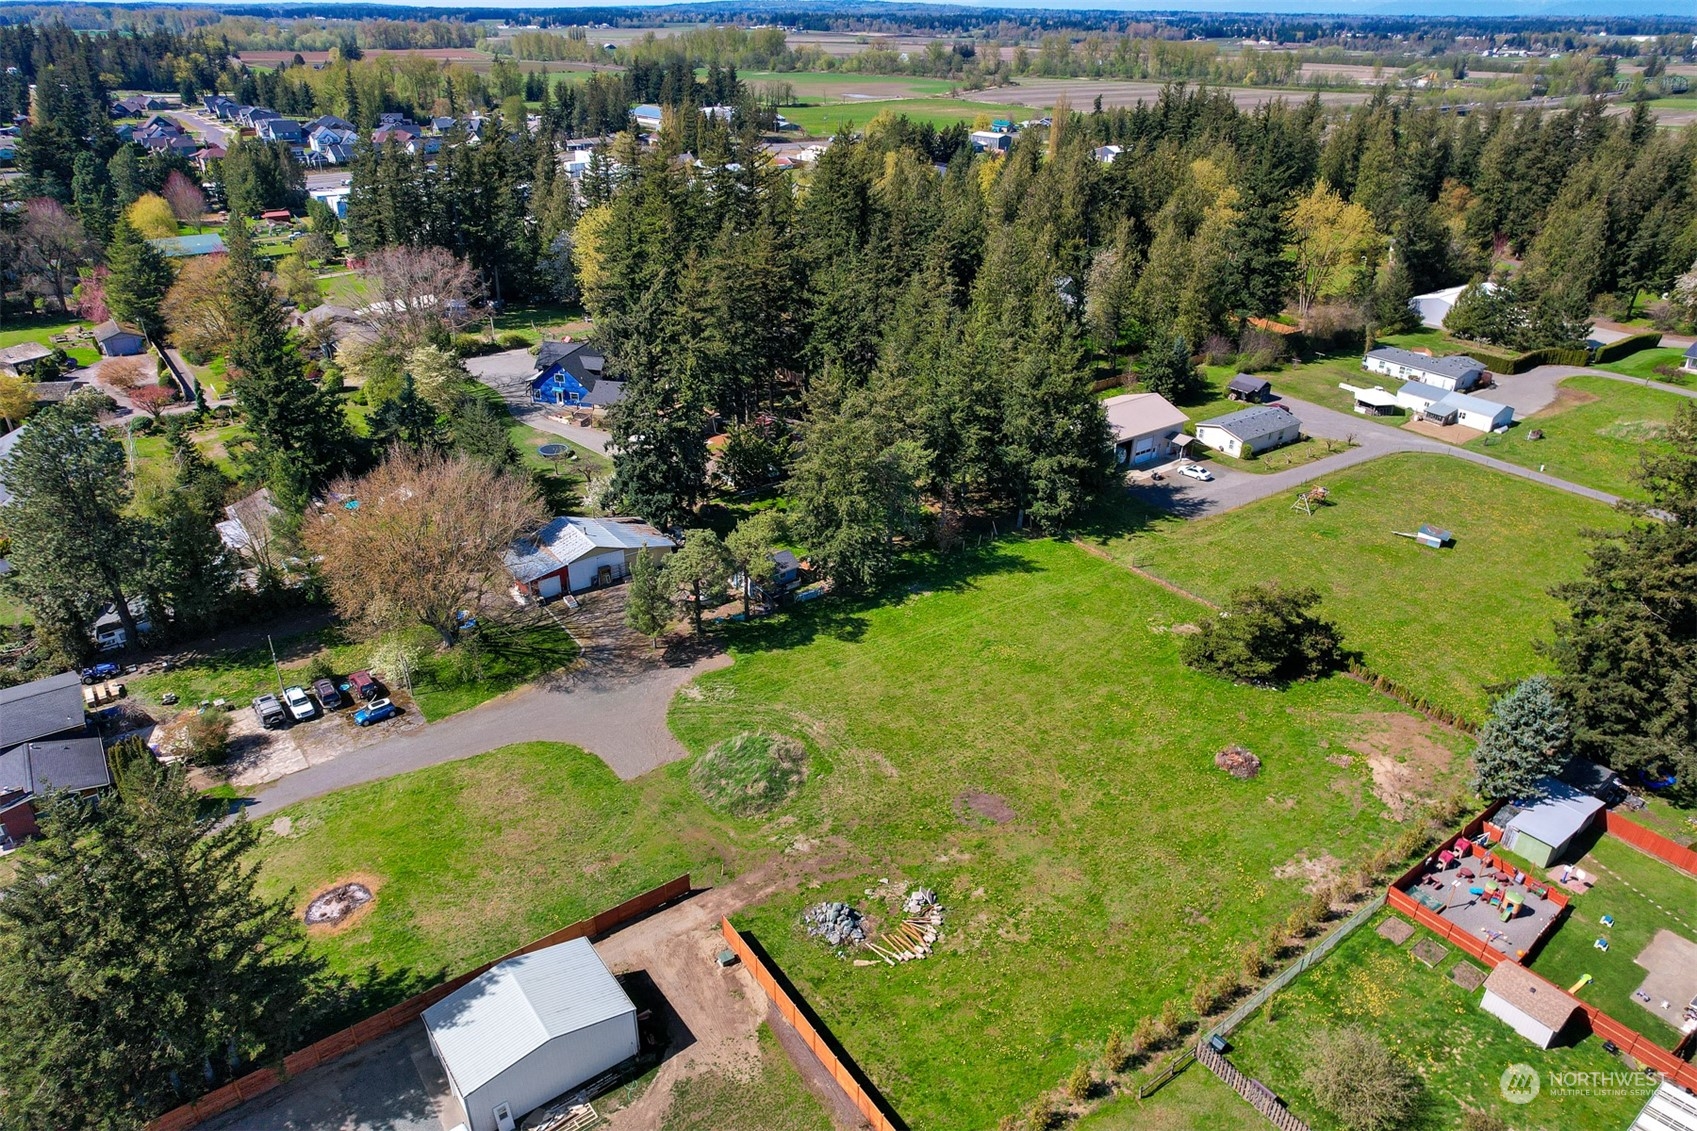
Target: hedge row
1627,346
1531,359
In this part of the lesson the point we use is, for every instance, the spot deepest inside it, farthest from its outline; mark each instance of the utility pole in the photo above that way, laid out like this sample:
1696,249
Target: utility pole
278,668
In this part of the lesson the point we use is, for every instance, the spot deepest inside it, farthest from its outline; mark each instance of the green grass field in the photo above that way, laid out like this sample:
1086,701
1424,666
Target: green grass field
1015,730
1642,365
1644,895
712,1101
40,328
472,859
814,84
1195,1101
1447,624
824,119
1594,434
1459,1050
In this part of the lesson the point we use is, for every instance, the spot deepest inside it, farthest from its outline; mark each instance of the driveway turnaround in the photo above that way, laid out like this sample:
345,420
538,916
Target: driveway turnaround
1232,489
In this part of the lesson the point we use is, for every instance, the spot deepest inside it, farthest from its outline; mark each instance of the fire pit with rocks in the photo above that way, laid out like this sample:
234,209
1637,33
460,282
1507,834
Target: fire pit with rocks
328,908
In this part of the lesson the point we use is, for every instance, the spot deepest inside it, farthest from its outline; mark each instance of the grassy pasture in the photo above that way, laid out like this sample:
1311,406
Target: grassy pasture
1642,365
828,118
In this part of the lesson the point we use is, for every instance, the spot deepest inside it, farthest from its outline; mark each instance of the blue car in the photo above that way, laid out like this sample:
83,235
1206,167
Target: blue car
100,672
375,712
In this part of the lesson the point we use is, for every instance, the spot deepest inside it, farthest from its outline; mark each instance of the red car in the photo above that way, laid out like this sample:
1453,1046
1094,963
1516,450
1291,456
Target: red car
364,686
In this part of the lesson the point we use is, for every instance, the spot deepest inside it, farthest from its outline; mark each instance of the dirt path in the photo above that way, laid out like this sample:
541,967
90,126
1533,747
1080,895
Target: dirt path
716,1010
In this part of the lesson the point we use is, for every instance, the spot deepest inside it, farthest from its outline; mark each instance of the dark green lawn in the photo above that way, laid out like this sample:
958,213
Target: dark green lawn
1038,677
1447,623
1459,1050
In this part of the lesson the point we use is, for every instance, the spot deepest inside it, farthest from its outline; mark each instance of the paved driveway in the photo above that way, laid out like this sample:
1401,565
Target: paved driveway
394,1084
1536,389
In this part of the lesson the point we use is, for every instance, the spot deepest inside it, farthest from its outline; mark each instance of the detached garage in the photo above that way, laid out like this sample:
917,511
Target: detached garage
575,554
531,1029
1534,1008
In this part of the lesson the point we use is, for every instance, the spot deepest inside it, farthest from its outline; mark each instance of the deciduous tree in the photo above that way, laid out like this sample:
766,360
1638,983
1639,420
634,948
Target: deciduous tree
151,215
49,247
198,309
419,294
1332,242
1357,1078
424,541
187,199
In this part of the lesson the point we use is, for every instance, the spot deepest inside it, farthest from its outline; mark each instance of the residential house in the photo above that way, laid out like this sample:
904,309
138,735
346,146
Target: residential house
1455,374
20,360
330,122
1470,412
206,154
530,1029
399,134
247,523
8,441
575,554
1540,828
991,141
182,247
786,578
132,107
45,744
1689,362
1144,426
334,328
442,124
1533,1007
428,146
116,340
1249,431
285,130
573,373
1106,153
1247,387
336,199
251,116
224,108
1417,397
719,113
1435,306
109,631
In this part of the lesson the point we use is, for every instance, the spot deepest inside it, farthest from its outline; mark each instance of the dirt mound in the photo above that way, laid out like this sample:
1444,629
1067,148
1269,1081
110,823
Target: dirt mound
975,805
1238,762
751,774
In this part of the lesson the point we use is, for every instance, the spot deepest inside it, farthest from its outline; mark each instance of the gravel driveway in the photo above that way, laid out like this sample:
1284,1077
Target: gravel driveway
509,374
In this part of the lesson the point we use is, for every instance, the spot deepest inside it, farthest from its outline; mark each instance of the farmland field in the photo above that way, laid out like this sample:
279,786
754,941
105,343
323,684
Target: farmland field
1459,1050
1016,732
825,119
1081,93
1593,434
1448,624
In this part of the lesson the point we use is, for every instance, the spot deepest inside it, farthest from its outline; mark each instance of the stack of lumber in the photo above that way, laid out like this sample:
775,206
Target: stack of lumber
910,939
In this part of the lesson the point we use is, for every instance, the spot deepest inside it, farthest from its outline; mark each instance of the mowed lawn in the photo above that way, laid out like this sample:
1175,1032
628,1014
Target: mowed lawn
825,119
1594,433
1459,1050
1448,624
472,859
1643,895
1014,729
1644,363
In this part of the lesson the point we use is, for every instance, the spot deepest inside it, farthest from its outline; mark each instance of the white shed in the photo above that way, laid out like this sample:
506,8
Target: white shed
530,1029
1536,1009
574,554
1475,412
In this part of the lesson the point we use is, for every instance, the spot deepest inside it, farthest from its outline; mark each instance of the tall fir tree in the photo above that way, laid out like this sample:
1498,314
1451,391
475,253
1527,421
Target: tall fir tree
137,278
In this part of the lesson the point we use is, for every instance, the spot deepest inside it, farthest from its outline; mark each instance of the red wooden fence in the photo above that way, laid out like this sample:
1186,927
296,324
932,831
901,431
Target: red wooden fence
869,1105
1654,843
262,1080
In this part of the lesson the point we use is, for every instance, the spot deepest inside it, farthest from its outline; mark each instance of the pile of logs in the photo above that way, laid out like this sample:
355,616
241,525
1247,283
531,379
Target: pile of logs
912,938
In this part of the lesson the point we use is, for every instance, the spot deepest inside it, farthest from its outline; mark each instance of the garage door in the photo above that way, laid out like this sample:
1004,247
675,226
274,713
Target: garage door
549,586
1143,448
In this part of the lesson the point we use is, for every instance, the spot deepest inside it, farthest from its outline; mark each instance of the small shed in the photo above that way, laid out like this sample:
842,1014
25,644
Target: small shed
116,340
530,1029
1248,387
1536,1009
1541,827
1377,401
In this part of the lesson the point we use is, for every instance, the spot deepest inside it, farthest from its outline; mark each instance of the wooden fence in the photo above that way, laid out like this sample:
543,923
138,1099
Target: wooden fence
1260,1097
1654,843
879,1116
262,1080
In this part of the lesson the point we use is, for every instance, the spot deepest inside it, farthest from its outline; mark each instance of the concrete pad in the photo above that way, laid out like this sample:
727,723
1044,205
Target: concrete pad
1672,964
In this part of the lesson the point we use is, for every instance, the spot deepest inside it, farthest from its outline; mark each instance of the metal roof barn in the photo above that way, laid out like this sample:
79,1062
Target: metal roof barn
530,1029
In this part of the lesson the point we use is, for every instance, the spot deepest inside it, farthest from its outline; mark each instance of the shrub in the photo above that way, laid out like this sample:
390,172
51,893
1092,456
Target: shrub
1217,350
1662,314
1079,1084
1355,1077
1145,1036
1254,961
1171,1018
1472,1120
1625,347
1042,1116
750,774
208,737
513,340
1266,634
1114,1053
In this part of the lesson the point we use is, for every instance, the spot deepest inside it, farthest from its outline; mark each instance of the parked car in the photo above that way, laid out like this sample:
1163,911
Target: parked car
364,686
1196,471
375,712
270,712
300,704
328,696
99,673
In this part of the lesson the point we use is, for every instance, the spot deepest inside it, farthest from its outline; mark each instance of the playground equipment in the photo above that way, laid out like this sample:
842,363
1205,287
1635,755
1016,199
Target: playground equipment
1511,906
1579,985
1432,537
1307,500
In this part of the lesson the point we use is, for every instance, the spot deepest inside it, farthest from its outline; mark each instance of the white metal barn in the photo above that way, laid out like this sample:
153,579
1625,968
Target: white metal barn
530,1029
574,554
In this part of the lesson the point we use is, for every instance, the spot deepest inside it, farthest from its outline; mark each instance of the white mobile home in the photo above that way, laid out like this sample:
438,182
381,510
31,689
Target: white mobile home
1451,374
1249,431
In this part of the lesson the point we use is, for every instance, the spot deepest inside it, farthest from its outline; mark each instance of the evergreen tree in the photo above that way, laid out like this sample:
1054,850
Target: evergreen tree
91,198
137,278
1171,373
138,964
406,419
702,567
750,547
648,606
659,451
479,429
1526,738
298,427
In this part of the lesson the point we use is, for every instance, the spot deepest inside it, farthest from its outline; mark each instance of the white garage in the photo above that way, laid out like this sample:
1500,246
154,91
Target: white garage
576,554
531,1029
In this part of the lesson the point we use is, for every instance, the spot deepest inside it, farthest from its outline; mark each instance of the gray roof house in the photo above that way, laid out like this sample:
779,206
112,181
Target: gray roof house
1689,364
529,1030
32,769
1249,431
116,340
42,708
572,554
573,373
1454,374
20,360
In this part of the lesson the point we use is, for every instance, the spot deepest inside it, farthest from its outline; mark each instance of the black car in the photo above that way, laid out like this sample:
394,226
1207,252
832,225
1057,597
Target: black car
270,712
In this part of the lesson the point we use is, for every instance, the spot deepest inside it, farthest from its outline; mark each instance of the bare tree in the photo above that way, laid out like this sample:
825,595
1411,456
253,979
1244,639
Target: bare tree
49,246
420,538
127,373
197,307
416,290
187,200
